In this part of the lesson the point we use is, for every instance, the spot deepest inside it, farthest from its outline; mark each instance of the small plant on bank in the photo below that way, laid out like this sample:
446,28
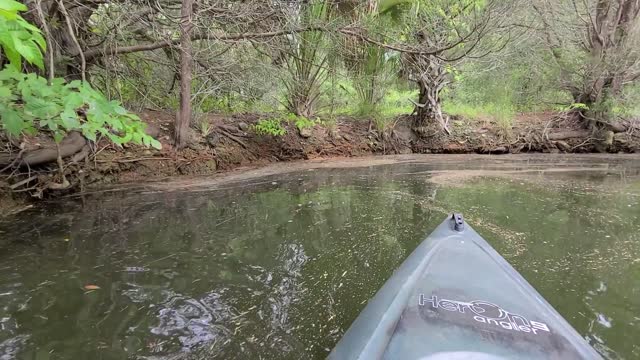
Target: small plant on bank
382,123
301,122
330,122
271,127
204,127
578,106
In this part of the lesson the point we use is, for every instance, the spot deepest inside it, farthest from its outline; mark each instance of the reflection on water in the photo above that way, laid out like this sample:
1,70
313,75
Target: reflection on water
279,267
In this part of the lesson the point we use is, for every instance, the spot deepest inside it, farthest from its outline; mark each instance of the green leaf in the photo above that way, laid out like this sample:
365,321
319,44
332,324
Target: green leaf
5,91
75,84
30,52
26,25
10,73
12,122
89,133
73,100
115,138
57,82
13,6
8,15
13,56
58,136
26,91
41,108
153,142
70,119
49,123
119,109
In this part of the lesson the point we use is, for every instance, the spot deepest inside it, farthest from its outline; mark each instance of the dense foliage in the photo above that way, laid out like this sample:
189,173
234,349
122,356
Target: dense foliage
18,38
30,103
375,58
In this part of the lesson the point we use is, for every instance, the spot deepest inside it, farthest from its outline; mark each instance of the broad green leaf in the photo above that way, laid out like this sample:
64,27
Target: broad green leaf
115,138
73,100
127,137
12,122
57,82
13,6
89,133
40,108
70,119
30,52
5,91
8,15
13,56
26,25
153,142
9,73
25,90
75,84
51,124
115,124
119,109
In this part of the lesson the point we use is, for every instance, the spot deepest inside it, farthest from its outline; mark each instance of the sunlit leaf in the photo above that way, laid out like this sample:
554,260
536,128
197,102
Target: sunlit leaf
11,5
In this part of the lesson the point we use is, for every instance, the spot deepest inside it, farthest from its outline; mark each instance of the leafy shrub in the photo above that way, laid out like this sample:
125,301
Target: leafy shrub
271,127
205,128
301,122
28,104
18,38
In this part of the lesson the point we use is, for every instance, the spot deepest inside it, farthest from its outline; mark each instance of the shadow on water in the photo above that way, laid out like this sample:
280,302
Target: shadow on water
279,266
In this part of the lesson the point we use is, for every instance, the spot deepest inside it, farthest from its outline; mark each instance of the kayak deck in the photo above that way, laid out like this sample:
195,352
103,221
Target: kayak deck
455,297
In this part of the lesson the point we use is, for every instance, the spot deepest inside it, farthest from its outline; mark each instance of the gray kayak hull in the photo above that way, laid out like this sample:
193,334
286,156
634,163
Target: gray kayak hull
455,297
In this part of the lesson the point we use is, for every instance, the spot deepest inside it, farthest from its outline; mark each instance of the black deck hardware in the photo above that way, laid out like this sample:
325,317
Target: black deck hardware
458,222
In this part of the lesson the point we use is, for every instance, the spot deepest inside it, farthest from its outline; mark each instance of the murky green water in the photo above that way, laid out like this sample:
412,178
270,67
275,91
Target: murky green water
278,267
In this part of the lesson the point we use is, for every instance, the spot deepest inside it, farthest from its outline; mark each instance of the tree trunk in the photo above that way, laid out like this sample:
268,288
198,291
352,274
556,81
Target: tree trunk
183,118
610,64
431,80
428,107
63,46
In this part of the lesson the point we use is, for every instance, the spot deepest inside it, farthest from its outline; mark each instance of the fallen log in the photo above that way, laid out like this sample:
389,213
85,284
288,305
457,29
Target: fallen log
563,135
70,145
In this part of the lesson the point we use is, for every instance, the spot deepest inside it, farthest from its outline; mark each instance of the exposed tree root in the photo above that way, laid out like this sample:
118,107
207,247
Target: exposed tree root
70,145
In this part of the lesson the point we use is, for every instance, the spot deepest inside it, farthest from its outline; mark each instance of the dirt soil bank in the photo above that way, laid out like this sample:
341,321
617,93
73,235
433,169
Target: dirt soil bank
229,142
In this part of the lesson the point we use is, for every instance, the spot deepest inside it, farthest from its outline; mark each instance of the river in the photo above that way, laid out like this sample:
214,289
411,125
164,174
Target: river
276,263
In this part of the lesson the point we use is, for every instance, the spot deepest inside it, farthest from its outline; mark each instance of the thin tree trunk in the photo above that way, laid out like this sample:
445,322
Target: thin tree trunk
74,38
47,34
183,118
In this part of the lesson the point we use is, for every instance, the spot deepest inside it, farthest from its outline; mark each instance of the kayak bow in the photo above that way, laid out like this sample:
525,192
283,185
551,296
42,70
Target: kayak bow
455,297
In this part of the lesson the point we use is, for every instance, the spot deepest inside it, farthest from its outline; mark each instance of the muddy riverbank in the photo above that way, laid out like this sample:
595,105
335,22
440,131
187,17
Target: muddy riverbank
230,142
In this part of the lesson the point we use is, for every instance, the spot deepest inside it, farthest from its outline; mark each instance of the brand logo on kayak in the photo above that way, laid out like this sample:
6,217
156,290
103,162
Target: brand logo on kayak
486,313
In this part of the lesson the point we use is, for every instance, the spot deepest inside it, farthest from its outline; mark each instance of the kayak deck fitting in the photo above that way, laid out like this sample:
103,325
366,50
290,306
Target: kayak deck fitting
454,298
